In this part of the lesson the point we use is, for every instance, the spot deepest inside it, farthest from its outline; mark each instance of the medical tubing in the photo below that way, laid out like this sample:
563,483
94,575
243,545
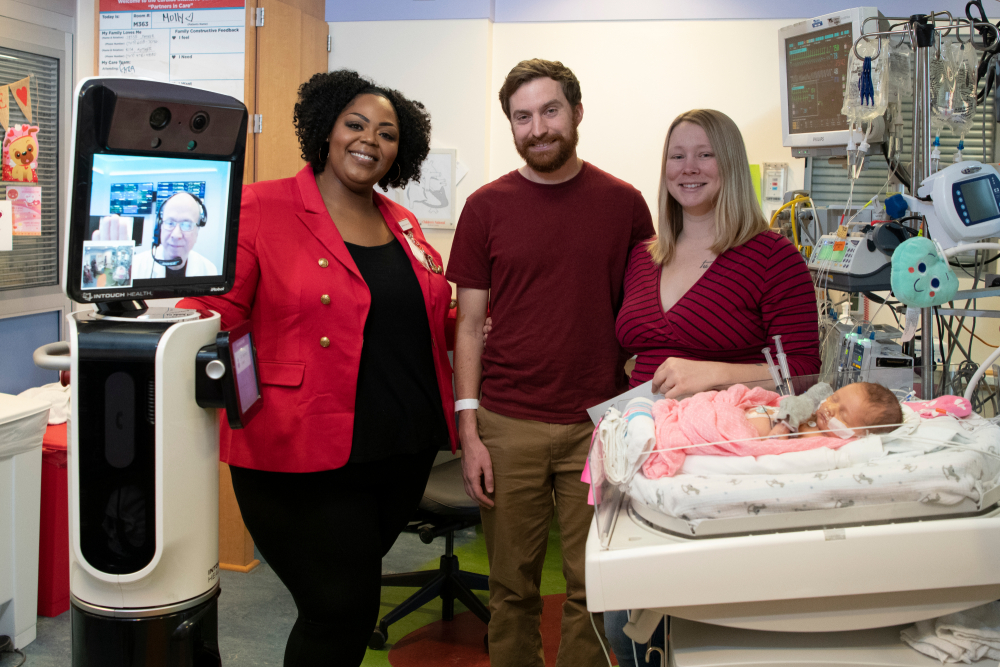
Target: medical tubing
950,252
795,233
793,202
950,445
831,434
980,372
895,167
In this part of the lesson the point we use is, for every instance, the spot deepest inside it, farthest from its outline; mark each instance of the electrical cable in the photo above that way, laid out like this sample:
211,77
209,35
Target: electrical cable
895,168
599,639
976,336
7,646
940,323
635,657
877,299
969,266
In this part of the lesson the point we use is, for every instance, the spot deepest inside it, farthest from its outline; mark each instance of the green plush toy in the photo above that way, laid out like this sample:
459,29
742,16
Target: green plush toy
921,277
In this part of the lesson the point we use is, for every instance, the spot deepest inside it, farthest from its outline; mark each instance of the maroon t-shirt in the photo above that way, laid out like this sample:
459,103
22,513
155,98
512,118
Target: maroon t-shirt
553,258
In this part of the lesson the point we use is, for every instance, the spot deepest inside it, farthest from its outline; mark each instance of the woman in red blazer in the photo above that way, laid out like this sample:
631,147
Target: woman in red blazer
348,306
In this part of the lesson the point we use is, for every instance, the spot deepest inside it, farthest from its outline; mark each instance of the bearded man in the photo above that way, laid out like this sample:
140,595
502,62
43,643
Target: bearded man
545,247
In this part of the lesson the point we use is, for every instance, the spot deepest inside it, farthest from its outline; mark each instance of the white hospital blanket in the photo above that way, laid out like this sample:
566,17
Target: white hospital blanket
820,459
916,467
965,636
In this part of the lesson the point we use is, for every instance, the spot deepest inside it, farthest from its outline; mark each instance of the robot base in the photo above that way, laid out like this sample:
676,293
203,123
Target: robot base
185,638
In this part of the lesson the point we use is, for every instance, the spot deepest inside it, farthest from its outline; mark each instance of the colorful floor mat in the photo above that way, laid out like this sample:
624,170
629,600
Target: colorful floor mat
422,638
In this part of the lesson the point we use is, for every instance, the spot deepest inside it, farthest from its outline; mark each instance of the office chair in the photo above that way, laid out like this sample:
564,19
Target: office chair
444,509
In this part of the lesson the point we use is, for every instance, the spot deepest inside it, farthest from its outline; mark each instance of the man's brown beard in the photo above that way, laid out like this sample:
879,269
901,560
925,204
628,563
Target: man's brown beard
549,162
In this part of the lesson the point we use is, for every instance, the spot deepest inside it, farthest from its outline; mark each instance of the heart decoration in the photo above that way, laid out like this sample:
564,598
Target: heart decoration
4,106
22,94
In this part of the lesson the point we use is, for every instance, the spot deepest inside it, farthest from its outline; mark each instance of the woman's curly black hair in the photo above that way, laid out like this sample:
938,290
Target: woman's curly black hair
327,94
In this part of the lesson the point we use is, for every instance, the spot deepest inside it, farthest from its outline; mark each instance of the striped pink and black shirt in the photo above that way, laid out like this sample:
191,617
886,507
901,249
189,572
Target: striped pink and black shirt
749,294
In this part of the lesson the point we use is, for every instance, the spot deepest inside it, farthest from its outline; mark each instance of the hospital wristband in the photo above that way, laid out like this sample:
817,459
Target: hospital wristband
466,404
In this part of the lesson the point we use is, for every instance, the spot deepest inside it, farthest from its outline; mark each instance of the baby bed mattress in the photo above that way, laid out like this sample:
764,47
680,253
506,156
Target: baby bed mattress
935,467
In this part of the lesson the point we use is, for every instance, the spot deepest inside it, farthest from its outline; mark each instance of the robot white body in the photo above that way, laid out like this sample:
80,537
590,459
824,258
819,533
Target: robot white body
184,563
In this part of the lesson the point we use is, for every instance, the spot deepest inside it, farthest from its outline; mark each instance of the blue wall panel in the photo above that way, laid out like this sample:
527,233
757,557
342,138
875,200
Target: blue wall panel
19,337
408,10
518,11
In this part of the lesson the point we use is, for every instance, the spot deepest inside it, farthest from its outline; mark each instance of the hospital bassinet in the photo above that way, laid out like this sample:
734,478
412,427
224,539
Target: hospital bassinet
909,535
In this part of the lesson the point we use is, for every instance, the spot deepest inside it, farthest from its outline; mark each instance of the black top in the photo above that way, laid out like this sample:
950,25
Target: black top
398,406
174,272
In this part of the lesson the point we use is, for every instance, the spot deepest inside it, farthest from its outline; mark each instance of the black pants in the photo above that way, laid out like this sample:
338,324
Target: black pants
324,534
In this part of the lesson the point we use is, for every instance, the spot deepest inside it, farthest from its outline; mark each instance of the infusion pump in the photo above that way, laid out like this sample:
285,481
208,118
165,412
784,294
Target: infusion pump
876,357
964,206
850,264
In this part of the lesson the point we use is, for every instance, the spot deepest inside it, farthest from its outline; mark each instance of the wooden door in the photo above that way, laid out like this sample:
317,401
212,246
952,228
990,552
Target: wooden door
291,47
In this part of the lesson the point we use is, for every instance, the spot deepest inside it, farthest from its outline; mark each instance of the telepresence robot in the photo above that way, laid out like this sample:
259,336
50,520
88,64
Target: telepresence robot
143,437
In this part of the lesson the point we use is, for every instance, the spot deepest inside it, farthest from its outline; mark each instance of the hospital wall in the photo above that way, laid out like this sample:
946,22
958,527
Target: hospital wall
636,77
444,64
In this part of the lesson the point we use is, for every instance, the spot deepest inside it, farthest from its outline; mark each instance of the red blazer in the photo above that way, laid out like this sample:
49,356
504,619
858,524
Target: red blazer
290,257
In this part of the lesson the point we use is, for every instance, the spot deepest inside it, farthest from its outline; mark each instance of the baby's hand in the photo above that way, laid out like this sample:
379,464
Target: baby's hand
780,430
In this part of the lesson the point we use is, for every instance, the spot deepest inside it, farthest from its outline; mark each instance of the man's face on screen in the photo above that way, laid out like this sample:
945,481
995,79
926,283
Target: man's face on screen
180,213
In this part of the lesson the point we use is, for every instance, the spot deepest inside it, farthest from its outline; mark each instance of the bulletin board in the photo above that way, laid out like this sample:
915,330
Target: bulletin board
29,180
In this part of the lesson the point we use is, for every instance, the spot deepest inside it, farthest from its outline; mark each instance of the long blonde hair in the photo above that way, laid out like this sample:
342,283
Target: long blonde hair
738,217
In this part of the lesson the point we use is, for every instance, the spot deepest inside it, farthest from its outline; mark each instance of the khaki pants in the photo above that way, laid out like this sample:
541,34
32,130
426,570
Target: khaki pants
535,463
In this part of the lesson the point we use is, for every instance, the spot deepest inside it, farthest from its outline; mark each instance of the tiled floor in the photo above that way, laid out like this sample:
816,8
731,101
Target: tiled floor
255,612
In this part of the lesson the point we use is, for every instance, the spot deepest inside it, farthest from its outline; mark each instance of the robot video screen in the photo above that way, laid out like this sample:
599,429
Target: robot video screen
816,65
155,222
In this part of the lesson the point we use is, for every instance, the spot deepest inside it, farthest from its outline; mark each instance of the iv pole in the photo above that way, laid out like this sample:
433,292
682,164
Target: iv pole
922,37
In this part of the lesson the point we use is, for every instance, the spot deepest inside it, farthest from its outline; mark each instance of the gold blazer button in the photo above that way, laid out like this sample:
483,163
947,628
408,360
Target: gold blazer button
323,262
324,342
325,299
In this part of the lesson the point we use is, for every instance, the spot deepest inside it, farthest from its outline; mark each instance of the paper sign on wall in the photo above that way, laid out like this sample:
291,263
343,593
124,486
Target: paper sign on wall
21,92
6,227
26,209
5,106
200,43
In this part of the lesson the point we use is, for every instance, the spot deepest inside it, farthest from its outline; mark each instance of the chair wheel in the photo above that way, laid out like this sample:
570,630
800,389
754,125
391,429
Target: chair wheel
377,641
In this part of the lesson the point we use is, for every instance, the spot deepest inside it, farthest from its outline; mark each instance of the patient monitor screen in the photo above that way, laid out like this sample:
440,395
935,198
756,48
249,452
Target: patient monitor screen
155,222
816,65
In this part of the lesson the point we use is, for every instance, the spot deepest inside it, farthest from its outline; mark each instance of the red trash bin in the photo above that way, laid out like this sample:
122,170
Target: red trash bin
53,540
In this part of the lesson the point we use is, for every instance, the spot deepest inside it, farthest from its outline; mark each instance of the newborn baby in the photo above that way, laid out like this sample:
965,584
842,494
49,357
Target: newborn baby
854,410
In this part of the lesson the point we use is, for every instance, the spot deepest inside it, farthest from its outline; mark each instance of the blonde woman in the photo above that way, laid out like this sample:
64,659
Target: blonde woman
705,296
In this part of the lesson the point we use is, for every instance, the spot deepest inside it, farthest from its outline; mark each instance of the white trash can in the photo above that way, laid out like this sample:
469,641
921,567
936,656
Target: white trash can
22,427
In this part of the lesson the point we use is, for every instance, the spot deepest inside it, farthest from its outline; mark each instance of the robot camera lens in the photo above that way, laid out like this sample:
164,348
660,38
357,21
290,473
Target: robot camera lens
160,118
199,121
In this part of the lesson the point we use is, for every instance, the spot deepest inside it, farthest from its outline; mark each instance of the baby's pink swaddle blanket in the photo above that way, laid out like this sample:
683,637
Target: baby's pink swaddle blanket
683,427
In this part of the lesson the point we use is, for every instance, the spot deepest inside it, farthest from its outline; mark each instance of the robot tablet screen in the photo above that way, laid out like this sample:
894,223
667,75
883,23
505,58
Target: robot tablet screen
226,376
155,222
241,351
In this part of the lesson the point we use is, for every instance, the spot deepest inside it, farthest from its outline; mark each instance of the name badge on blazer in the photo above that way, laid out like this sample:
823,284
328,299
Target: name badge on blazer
415,247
